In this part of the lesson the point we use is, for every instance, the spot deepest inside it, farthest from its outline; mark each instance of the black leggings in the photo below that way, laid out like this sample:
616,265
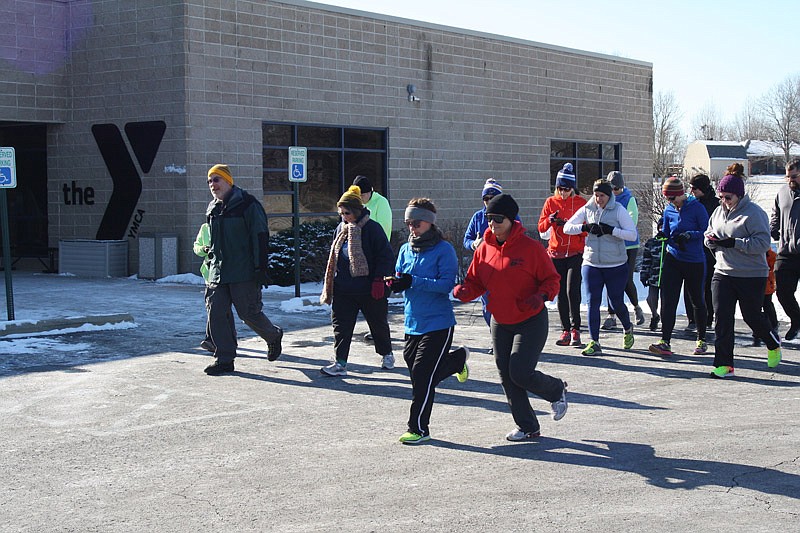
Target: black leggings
569,293
675,274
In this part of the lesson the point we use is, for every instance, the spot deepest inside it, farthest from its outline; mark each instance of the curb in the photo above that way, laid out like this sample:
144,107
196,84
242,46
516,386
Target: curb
56,324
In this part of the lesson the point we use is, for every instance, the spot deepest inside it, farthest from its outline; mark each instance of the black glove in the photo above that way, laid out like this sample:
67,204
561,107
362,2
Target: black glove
400,282
730,242
681,238
596,229
262,278
586,227
555,221
607,229
660,235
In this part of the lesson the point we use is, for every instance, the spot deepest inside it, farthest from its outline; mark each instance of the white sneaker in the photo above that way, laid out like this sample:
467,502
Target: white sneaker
388,361
519,435
334,369
560,406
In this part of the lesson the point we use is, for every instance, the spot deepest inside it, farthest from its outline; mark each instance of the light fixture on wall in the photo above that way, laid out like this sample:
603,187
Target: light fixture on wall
411,90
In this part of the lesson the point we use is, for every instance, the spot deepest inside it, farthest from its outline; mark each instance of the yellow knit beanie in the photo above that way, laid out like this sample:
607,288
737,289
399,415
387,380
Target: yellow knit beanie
222,171
351,198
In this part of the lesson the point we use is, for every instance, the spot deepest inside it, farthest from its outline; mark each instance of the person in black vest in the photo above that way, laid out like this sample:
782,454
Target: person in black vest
237,260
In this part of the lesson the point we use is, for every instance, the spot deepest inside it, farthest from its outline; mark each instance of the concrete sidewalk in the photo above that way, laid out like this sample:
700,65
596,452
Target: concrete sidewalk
135,437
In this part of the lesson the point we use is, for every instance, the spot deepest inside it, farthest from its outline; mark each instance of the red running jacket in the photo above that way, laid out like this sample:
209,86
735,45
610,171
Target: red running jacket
562,245
512,273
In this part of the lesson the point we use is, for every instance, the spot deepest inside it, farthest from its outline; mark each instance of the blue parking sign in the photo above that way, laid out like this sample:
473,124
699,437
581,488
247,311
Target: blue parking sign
8,168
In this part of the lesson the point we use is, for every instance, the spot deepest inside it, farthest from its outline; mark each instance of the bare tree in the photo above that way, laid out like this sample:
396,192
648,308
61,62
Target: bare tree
669,143
709,125
781,110
651,203
749,123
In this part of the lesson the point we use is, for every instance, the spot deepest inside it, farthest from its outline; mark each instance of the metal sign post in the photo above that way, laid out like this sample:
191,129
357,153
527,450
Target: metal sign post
8,180
298,162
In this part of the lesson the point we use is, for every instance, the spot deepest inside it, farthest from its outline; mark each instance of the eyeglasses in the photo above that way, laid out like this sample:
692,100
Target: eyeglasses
345,213
727,197
566,189
617,188
671,198
215,179
488,197
414,223
497,219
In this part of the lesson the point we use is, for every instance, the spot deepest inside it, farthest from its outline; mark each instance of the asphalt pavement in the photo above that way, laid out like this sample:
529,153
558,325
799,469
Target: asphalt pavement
120,430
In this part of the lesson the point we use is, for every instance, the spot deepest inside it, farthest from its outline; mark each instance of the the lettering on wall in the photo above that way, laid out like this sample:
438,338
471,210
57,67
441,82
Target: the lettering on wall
145,139
74,195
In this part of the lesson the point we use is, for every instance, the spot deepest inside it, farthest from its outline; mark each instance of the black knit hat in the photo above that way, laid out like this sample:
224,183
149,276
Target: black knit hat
363,183
503,204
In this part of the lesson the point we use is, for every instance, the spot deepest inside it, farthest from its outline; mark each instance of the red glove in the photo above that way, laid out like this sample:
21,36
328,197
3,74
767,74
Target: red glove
460,293
378,289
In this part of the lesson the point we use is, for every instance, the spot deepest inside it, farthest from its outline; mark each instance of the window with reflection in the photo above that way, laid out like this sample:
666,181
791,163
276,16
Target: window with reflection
336,155
591,161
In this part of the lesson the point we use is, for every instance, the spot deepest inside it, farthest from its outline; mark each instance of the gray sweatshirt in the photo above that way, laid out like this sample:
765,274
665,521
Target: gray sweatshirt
785,221
749,225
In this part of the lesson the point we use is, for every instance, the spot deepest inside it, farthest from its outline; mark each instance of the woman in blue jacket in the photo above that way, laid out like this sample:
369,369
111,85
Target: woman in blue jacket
426,271
685,220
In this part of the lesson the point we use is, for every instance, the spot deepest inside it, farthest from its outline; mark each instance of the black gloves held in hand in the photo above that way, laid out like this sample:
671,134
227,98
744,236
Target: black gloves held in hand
607,229
400,283
730,242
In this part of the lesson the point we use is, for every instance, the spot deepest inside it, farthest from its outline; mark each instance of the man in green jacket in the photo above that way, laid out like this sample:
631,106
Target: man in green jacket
237,268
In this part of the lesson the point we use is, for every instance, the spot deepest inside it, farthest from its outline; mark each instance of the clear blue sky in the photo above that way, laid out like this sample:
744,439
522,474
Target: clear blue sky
706,52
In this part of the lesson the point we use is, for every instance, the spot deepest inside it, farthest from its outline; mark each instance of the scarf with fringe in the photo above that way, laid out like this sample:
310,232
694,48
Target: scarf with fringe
355,253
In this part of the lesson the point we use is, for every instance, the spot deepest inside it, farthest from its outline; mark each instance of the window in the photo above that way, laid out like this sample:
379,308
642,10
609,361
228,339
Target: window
336,155
591,161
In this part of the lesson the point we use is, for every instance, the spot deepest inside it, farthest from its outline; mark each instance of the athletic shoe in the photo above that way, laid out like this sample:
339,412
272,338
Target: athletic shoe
691,327
792,333
274,348
334,369
208,346
576,337
564,339
639,315
662,348
368,338
388,361
702,347
773,357
218,367
593,348
609,323
518,435
413,438
560,406
654,322
464,374
722,372
627,339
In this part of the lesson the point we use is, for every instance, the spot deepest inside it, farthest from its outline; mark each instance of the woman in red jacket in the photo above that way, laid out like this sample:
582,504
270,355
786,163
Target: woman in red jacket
566,252
519,276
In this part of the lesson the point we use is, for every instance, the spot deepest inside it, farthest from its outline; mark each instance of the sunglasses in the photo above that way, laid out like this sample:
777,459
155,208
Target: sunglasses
567,189
414,223
671,198
215,179
488,197
617,188
344,213
727,197
793,176
497,219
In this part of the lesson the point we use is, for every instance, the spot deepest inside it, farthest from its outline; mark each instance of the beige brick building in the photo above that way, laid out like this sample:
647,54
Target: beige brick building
117,109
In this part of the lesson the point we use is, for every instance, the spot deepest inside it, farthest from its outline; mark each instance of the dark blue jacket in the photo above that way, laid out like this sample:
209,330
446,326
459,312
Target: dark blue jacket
380,259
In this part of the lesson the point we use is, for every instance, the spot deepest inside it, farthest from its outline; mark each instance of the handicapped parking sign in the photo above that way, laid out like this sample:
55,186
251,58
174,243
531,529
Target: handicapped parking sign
298,159
8,168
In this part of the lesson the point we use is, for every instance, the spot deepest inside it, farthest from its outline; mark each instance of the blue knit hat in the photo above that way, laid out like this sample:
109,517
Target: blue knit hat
491,188
566,177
